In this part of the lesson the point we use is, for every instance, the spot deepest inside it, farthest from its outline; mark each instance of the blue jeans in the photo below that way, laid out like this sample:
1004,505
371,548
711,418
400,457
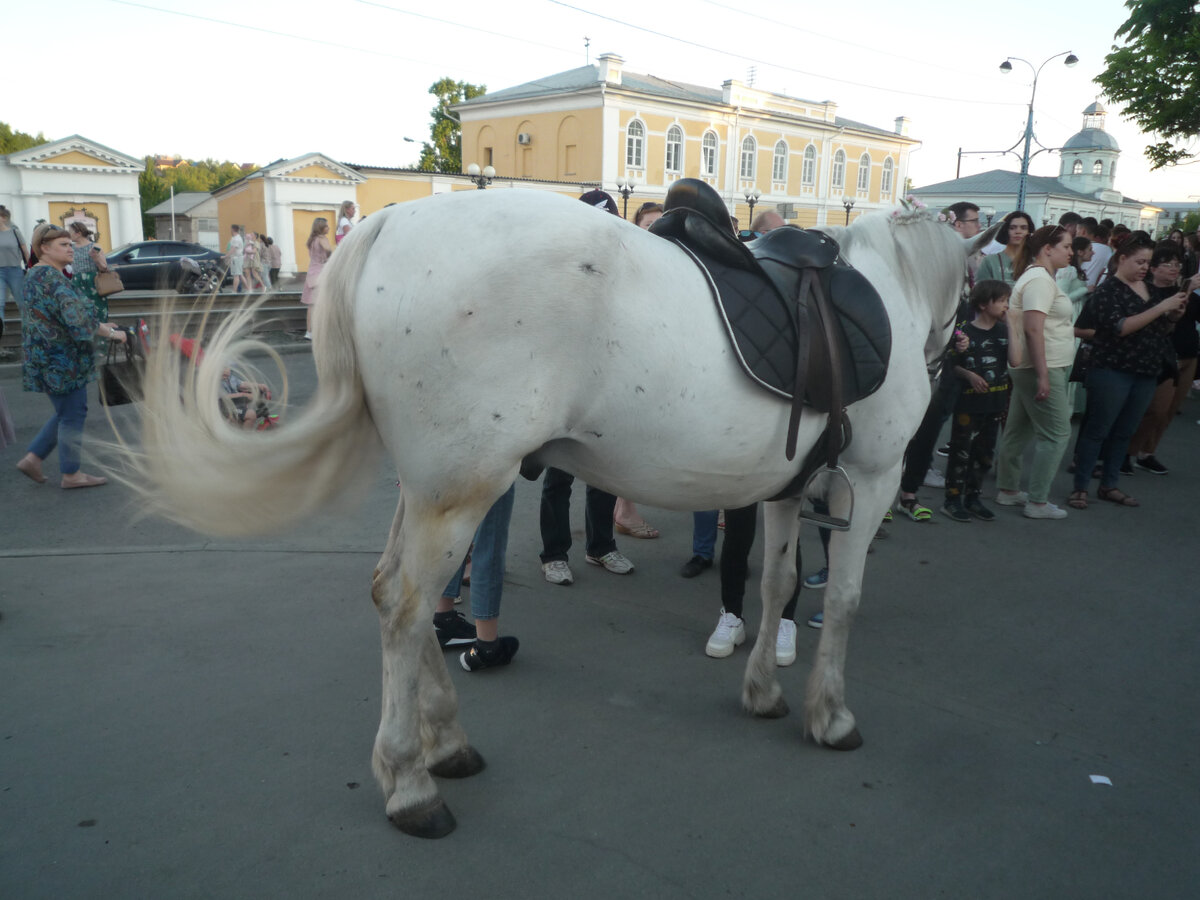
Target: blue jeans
704,533
1116,402
487,560
65,427
556,518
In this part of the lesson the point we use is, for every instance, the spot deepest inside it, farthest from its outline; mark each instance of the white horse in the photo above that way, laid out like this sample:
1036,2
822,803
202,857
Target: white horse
468,332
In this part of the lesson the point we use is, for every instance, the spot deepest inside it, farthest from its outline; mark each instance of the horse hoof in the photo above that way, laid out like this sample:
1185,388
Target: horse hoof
432,819
462,764
851,741
776,710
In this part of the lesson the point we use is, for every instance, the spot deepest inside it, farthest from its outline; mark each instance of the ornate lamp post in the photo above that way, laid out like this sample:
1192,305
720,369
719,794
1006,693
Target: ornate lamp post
989,212
848,203
1005,68
482,178
625,187
752,196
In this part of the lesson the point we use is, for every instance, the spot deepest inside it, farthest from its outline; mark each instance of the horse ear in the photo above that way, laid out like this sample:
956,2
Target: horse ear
982,239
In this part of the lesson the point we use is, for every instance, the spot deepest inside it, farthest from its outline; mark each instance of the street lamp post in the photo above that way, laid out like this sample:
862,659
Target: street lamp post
848,203
481,177
989,212
752,196
625,187
1005,68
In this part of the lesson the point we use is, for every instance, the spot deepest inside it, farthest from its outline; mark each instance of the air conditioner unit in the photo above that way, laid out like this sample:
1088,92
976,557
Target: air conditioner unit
524,138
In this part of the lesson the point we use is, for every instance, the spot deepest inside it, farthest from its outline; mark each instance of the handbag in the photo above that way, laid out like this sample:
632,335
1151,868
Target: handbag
1083,362
121,379
108,283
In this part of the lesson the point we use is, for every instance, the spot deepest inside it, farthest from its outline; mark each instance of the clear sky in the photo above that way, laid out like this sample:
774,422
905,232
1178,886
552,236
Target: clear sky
255,82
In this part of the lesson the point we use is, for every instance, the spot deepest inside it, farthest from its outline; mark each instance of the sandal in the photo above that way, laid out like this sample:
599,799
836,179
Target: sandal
1078,500
914,510
643,530
1117,496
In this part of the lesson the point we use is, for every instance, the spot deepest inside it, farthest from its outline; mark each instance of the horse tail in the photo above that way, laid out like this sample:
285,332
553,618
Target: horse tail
197,469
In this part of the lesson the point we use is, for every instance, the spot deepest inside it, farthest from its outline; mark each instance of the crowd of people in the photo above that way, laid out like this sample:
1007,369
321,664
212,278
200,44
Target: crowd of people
1079,320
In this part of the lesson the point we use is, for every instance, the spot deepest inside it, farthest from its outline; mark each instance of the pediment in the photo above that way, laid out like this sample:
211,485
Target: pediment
315,167
76,152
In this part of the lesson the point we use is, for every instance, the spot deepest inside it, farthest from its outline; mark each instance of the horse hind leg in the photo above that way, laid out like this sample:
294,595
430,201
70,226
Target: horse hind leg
418,723
761,693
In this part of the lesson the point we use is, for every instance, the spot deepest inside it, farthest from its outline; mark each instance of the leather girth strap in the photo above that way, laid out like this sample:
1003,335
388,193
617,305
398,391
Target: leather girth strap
810,288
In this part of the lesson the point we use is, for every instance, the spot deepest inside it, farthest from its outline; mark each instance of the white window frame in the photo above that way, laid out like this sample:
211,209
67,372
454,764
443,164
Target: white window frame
710,148
837,174
675,144
635,145
779,162
747,159
1077,167
864,174
886,179
1098,167
808,169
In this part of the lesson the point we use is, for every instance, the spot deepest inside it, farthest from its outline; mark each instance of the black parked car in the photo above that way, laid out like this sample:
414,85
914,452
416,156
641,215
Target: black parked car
154,265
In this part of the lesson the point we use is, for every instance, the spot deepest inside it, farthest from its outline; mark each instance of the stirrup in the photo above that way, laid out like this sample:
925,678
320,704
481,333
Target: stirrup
825,520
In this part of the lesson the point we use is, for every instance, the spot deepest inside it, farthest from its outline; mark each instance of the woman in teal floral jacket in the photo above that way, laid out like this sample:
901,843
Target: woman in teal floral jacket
58,325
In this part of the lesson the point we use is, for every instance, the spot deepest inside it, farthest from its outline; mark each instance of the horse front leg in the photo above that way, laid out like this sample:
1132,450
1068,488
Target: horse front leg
827,718
418,727
761,693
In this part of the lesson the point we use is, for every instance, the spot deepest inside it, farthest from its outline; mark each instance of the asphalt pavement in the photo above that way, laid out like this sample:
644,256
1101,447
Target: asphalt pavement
185,717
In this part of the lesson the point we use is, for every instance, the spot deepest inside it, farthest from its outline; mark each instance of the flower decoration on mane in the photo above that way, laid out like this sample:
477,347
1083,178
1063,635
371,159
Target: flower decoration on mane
913,209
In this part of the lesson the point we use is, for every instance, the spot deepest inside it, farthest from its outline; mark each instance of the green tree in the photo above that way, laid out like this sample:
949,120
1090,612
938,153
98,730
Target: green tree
197,176
1156,75
12,141
443,151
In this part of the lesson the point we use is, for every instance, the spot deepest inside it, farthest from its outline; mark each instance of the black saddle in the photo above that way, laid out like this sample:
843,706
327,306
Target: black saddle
804,323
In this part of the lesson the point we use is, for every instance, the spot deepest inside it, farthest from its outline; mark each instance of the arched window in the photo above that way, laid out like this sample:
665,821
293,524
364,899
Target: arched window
635,145
1112,168
864,173
749,150
779,162
1077,167
838,177
708,155
1097,168
808,172
675,149
885,181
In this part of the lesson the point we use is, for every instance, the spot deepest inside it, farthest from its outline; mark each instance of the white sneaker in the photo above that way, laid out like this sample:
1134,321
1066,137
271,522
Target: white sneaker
558,572
613,561
1043,511
1020,498
934,478
785,644
308,335
730,632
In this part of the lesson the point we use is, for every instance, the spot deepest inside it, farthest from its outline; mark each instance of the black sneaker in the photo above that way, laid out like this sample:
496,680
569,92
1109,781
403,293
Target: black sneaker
1150,464
1126,467
976,508
488,654
695,566
953,507
452,628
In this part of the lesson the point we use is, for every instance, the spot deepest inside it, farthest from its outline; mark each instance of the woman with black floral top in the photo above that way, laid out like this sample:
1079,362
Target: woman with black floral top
1128,353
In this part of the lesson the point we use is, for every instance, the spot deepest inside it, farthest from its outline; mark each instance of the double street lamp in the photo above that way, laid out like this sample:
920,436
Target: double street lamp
625,188
752,196
482,177
1005,68
848,203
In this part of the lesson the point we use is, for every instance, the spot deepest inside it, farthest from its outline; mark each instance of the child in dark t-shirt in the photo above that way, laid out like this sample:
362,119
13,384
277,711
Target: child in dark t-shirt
983,366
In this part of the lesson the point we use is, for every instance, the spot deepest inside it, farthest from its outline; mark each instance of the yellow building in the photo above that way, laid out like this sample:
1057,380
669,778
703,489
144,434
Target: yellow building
603,125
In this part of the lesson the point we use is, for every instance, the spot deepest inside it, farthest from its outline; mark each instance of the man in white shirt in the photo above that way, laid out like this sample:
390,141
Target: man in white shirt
1101,253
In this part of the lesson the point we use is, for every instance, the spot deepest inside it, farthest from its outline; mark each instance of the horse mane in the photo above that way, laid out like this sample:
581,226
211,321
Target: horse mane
924,252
